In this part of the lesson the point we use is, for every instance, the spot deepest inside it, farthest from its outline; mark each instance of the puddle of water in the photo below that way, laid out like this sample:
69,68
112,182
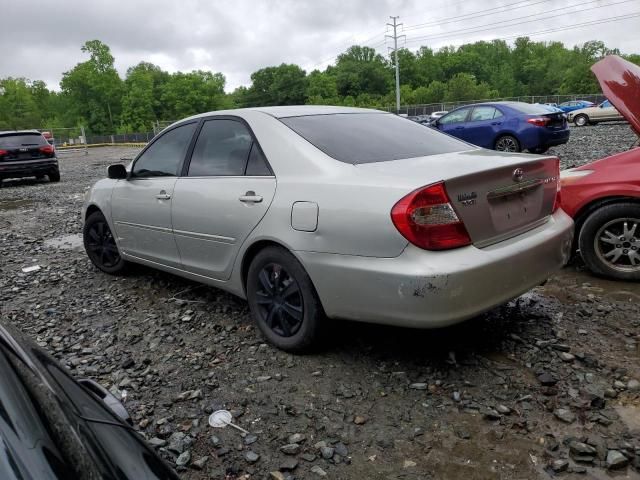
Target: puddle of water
14,204
66,242
614,290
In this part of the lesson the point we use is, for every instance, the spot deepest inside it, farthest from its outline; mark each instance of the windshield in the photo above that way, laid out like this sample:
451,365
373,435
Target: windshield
372,137
22,140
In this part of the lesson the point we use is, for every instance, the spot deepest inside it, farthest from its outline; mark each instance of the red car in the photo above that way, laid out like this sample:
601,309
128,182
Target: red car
603,197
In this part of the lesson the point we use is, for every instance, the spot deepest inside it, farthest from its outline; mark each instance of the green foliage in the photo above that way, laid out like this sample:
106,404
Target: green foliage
93,94
281,85
18,106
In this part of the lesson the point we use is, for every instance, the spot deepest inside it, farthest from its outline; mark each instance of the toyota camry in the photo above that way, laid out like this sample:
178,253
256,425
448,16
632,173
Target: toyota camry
314,213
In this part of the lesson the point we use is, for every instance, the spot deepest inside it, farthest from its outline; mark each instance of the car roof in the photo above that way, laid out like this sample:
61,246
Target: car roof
18,132
289,111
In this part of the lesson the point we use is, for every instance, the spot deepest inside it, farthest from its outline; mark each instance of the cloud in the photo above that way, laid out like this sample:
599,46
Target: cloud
42,39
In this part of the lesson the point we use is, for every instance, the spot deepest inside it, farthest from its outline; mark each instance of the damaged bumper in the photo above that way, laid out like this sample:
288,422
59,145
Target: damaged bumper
427,289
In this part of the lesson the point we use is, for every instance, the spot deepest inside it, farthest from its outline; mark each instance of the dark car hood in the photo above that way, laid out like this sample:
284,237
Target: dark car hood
114,449
620,83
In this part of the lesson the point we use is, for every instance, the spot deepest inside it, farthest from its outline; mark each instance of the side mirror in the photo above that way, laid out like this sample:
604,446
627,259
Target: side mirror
117,172
110,401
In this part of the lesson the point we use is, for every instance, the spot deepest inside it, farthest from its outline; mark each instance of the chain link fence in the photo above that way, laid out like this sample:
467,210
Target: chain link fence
428,109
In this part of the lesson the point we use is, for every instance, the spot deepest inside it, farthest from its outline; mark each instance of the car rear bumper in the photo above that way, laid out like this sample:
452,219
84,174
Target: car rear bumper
428,289
26,168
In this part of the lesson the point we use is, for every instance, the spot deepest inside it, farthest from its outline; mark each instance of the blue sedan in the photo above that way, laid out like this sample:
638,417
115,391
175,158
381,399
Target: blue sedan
575,105
507,126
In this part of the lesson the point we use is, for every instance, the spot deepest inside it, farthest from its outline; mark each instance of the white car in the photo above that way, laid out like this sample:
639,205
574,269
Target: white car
312,212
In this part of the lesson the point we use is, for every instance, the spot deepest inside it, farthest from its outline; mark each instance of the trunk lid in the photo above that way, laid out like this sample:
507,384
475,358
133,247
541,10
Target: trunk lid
556,120
620,83
496,195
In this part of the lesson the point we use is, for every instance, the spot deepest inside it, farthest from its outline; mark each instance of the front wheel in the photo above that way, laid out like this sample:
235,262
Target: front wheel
581,120
507,143
283,301
610,241
100,245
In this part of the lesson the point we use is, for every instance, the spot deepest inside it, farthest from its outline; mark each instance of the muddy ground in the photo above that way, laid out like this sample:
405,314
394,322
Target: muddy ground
544,386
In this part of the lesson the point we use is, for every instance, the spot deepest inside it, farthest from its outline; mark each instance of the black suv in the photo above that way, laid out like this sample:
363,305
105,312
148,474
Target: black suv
27,153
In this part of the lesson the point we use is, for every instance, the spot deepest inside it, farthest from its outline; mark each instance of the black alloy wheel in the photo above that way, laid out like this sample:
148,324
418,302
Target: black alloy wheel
283,300
279,300
100,244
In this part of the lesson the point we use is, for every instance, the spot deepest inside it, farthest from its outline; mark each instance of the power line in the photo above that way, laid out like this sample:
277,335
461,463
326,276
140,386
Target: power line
478,14
502,24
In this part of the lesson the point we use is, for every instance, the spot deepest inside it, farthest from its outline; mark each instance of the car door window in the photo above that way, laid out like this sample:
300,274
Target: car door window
222,149
164,156
483,113
454,117
257,165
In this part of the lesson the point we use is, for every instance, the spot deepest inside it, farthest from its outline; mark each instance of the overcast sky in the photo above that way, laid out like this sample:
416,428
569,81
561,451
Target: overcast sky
42,39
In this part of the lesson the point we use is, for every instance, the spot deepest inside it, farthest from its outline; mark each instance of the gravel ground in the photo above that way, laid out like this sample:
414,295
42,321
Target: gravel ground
546,385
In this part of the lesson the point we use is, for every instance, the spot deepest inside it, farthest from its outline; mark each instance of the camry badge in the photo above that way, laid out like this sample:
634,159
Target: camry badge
518,174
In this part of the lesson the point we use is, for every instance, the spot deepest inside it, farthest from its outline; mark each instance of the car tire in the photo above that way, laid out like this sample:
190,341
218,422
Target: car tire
54,175
507,143
39,177
283,301
100,245
539,150
581,120
614,223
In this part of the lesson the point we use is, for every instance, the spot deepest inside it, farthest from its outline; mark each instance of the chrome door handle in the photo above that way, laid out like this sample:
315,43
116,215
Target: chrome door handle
250,197
163,195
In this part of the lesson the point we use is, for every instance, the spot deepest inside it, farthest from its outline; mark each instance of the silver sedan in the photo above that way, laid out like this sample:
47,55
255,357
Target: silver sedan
324,212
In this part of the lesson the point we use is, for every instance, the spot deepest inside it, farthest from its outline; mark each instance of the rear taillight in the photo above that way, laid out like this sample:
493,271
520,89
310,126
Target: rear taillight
49,149
558,200
3,152
426,218
539,121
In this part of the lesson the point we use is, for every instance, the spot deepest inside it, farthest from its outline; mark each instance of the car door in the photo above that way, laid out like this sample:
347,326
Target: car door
141,204
483,126
226,189
454,123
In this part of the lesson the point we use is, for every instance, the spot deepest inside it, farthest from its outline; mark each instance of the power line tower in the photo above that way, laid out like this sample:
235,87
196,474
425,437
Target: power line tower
395,37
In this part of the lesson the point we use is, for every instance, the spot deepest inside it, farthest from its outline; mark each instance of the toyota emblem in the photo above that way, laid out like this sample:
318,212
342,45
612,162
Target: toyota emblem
518,173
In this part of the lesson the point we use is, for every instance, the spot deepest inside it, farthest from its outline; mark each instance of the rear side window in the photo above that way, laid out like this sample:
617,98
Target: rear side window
485,113
164,156
371,137
22,140
222,149
257,165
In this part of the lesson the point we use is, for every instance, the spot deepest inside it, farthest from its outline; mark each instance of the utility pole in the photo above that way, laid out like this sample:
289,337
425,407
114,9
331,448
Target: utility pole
395,37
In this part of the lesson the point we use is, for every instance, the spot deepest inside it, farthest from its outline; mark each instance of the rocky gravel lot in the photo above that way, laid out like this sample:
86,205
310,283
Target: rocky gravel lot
544,386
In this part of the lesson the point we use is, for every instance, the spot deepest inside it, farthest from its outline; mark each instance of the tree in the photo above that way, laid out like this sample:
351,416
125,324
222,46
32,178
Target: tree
186,94
281,85
95,88
362,70
18,108
141,104
463,86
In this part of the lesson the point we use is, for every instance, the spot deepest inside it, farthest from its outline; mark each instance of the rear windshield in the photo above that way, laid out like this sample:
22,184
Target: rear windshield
372,137
22,139
532,109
